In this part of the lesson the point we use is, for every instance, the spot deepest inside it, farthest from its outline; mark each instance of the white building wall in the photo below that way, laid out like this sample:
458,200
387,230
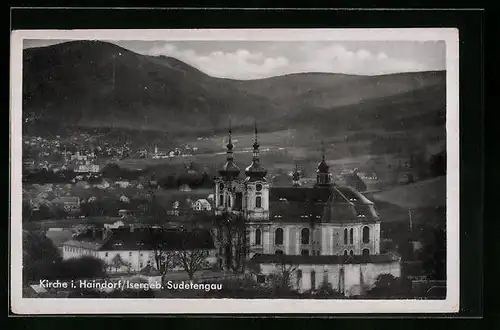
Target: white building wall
357,277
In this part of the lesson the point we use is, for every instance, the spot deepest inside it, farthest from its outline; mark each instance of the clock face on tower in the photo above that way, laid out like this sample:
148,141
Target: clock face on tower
258,187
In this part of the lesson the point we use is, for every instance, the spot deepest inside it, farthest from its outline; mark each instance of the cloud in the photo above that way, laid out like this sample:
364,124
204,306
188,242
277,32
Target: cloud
240,64
286,58
337,58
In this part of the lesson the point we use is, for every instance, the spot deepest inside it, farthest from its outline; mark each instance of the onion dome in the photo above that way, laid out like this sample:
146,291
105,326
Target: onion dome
255,171
322,165
229,170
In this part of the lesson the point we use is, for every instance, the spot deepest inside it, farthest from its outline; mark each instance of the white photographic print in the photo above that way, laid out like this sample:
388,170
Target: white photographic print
234,171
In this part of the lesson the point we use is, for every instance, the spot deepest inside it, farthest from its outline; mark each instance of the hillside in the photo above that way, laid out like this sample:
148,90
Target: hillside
422,194
97,84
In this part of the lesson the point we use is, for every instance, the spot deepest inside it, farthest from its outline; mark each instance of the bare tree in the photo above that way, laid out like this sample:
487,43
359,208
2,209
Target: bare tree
232,236
165,258
192,261
284,274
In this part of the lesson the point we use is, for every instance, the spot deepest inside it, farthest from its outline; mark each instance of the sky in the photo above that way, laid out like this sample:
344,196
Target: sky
262,59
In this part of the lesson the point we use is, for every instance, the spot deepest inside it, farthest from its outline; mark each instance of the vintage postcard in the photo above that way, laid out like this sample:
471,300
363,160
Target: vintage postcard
234,171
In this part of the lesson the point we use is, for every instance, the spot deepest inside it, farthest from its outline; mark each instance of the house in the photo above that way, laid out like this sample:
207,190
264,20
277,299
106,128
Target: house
69,203
123,184
135,246
202,205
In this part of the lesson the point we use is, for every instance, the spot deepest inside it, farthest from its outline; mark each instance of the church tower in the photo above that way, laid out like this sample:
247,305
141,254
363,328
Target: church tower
296,177
323,172
226,185
256,198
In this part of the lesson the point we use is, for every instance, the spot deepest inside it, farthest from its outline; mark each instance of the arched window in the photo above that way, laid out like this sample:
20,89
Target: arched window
345,236
345,252
278,252
351,236
278,237
304,236
366,235
258,201
229,202
221,199
258,236
366,252
351,253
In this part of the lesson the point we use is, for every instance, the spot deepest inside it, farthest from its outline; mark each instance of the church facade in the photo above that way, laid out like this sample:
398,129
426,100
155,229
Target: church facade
324,234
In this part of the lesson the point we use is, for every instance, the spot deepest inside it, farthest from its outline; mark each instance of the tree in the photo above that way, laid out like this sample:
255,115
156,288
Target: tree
281,279
388,286
192,261
165,259
83,267
433,254
117,262
40,257
326,291
232,236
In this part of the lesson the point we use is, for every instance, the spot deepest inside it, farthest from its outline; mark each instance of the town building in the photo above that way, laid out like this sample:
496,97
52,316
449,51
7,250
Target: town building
68,203
137,247
329,233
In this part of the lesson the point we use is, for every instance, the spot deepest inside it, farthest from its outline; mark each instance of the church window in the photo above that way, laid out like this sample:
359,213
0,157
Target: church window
304,252
258,187
345,252
345,236
351,236
278,236
229,202
221,199
351,253
258,201
304,236
258,237
366,252
366,235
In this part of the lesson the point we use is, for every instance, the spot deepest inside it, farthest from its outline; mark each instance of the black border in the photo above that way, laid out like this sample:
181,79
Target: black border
471,28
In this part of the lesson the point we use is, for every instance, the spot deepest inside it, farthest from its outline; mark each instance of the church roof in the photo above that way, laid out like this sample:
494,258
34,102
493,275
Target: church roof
331,205
292,194
230,169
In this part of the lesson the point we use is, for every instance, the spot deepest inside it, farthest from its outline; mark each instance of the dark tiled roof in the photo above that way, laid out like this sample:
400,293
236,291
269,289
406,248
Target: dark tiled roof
293,194
147,238
323,260
334,204
285,211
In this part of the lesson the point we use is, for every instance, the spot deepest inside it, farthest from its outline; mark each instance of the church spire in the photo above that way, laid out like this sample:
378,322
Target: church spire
323,171
230,170
296,176
255,171
255,143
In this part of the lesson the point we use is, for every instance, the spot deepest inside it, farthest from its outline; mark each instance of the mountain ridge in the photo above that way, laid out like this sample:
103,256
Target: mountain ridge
95,83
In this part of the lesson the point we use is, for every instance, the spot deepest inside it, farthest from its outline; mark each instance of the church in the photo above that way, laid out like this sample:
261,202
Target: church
325,234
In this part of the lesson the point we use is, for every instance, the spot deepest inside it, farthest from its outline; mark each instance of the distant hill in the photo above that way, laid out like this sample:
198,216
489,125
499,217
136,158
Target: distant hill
98,84
421,194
